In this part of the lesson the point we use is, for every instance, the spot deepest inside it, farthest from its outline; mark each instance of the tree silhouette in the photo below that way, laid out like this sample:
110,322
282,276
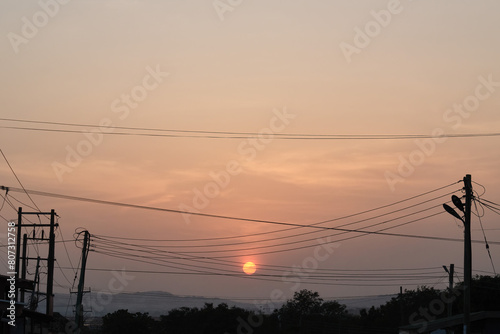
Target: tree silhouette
307,313
123,322
333,310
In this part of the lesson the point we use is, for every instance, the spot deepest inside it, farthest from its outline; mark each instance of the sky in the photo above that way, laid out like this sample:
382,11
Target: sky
257,93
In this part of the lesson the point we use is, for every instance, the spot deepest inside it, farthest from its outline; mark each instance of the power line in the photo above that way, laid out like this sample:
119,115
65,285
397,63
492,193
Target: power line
19,181
271,278
121,251
491,207
16,211
490,202
484,235
155,257
22,203
168,130
66,249
41,193
344,231
176,133
318,223
301,234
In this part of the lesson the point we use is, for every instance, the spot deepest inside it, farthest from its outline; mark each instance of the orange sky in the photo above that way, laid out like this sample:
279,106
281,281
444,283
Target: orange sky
190,65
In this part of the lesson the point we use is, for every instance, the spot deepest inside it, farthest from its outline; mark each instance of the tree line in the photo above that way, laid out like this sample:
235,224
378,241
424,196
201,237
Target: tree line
308,313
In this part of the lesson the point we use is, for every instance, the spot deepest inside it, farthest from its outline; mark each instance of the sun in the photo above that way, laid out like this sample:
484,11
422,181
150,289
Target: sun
249,268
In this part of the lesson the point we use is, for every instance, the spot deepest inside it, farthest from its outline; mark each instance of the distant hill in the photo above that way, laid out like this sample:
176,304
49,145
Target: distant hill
158,303
354,305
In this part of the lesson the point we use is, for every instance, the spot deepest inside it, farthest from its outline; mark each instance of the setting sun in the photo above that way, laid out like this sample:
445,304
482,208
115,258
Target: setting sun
249,268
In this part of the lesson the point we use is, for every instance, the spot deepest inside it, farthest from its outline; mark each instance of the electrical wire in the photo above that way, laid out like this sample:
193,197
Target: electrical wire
32,242
232,135
271,278
492,208
485,240
348,276
482,186
64,243
204,240
490,202
359,231
232,255
33,208
58,266
125,249
159,261
18,180
167,130
4,200
22,203
299,235
223,216
313,279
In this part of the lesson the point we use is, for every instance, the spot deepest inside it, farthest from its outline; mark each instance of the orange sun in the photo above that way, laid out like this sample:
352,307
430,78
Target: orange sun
249,268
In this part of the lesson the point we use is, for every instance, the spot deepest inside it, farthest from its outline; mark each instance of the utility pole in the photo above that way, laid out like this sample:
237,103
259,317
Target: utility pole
450,272
34,294
18,241
23,263
79,296
467,253
50,265
21,257
466,209
401,306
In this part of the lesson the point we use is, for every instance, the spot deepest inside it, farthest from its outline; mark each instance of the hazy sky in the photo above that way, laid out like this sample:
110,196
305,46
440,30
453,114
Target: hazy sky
269,67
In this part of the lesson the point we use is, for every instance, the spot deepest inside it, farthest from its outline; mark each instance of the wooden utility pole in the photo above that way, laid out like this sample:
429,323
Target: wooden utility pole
79,296
50,265
467,253
34,294
23,263
21,257
18,241
450,286
450,272
401,306
467,244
